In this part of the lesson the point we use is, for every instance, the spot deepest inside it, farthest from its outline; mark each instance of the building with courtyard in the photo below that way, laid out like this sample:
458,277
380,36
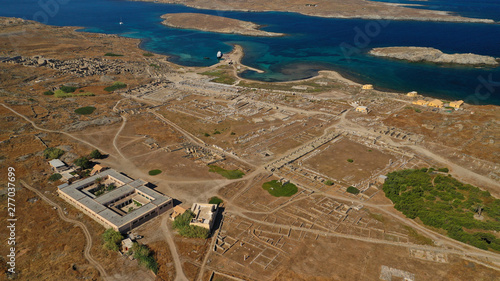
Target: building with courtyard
204,215
115,200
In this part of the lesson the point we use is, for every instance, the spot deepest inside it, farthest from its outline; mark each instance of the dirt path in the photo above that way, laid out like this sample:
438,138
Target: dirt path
86,232
118,134
179,273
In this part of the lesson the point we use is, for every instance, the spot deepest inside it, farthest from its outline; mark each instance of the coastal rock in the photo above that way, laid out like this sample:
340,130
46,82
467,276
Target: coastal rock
422,54
215,24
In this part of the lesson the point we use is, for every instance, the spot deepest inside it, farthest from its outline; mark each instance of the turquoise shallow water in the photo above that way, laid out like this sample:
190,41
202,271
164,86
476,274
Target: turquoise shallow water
311,43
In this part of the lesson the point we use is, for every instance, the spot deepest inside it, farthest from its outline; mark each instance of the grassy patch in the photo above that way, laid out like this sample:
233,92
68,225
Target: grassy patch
328,182
115,86
68,89
353,190
55,177
228,174
419,238
154,172
85,110
154,65
52,153
378,217
62,94
148,55
48,93
112,55
275,188
221,76
215,200
181,223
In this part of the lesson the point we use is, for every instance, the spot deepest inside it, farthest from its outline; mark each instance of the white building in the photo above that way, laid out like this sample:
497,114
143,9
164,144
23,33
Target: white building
204,215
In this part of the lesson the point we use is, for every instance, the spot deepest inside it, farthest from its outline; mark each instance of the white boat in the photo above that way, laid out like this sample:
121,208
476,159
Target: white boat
219,54
121,22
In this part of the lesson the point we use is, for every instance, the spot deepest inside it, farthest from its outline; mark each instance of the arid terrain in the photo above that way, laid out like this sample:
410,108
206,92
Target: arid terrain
330,8
214,24
179,119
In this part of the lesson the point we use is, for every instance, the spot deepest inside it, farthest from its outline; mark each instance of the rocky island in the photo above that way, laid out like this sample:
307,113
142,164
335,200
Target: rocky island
215,24
422,54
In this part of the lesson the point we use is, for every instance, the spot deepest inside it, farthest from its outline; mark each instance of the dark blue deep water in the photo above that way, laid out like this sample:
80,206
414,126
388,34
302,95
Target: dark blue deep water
311,43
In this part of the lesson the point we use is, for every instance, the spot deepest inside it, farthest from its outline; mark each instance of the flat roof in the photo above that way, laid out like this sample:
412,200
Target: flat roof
113,194
92,205
56,163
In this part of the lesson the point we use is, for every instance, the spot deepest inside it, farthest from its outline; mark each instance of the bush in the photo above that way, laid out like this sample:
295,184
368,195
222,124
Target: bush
52,153
67,89
112,239
83,162
328,182
215,200
95,154
48,93
350,160
144,256
115,86
112,55
148,54
154,172
206,134
228,174
85,110
353,190
444,170
275,188
55,177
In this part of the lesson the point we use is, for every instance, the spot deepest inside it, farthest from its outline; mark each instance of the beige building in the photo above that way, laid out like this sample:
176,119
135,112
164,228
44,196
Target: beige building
128,204
421,102
435,103
204,215
367,87
178,210
412,94
456,104
362,109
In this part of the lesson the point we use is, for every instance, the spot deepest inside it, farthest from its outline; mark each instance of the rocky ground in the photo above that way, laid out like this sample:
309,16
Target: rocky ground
422,54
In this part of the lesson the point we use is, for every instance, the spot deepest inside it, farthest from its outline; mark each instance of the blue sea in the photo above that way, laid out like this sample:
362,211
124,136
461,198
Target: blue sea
311,43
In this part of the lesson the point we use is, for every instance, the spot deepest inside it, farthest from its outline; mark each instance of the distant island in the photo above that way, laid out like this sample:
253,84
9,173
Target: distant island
211,23
422,54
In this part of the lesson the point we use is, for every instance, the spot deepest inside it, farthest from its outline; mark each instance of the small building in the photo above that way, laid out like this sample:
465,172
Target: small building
127,245
367,87
382,178
456,104
421,102
436,103
362,109
178,210
204,215
58,166
412,94
97,169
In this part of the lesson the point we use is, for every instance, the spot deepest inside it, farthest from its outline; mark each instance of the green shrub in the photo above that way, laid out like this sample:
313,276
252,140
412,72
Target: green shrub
444,170
277,189
85,110
206,134
52,153
148,54
144,257
215,200
216,132
83,162
154,65
96,154
154,172
48,93
112,239
55,177
353,190
228,174
112,55
350,160
328,182
67,89
117,85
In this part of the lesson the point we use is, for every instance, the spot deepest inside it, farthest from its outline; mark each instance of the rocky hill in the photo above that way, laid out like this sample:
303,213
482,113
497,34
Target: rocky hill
422,54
